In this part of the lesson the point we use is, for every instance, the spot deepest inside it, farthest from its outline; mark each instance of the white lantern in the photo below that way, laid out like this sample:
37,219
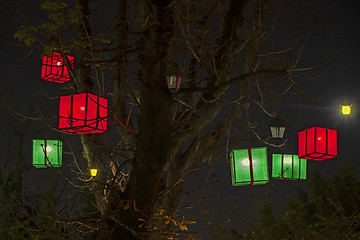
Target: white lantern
277,128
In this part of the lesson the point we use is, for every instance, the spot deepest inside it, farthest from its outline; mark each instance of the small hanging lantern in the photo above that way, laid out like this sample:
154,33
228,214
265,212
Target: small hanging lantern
83,113
346,109
287,166
174,82
317,143
47,153
277,127
54,68
249,166
93,172
173,78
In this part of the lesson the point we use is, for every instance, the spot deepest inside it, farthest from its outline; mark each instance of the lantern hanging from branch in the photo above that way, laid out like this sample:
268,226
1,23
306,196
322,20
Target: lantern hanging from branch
317,143
174,82
93,172
277,127
173,78
249,166
346,109
55,69
83,113
287,166
47,153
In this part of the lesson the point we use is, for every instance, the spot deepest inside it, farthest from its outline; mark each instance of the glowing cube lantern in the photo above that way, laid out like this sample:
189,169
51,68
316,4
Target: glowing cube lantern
249,166
54,68
47,153
287,166
83,113
317,143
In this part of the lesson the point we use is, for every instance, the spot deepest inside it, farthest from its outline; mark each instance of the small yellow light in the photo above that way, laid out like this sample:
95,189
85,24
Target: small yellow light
346,109
93,172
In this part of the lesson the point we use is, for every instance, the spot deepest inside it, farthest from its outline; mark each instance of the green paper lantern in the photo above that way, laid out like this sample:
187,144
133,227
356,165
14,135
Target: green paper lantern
249,166
47,153
286,166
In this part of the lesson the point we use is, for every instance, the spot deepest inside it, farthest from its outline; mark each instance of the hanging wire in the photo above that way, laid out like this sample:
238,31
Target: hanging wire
132,129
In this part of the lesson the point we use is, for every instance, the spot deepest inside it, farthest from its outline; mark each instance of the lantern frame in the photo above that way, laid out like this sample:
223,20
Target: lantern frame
54,68
294,170
83,113
173,78
47,153
249,166
173,82
277,128
317,143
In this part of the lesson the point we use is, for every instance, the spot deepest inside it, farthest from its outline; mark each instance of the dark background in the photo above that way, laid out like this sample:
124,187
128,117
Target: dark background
335,37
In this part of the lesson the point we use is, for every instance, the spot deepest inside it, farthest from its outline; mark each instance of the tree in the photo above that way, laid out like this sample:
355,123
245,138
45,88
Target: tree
329,212
234,65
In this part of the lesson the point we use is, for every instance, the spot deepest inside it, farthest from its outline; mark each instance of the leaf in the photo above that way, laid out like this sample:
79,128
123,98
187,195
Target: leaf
127,206
135,207
183,227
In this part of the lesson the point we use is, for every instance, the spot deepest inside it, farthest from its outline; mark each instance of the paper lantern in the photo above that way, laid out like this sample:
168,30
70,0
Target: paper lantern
83,113
54,68
249,166
47,153
287,166
317,143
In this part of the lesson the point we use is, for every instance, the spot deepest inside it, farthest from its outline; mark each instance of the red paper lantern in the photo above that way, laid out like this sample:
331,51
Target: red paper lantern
317,143
83,113
54,68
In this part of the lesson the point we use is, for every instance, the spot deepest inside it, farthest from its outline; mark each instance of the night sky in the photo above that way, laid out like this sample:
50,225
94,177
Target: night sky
336,38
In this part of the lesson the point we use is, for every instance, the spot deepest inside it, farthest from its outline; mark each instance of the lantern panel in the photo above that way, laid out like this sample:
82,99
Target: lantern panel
310,141
64,110
317,143
287,166
54,68
47,153
79,110
332,142
83,113
321,140
249,166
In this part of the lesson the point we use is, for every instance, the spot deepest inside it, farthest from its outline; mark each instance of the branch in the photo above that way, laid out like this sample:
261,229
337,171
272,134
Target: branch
227,84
